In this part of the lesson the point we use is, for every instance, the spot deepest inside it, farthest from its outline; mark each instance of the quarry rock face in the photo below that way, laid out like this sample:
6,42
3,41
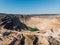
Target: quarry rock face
48,33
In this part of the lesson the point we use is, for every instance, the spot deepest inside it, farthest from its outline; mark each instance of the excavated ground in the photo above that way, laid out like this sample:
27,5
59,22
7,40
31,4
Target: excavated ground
48,34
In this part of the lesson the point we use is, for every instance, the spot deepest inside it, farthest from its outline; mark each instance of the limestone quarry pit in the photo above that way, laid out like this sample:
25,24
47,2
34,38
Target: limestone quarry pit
48,34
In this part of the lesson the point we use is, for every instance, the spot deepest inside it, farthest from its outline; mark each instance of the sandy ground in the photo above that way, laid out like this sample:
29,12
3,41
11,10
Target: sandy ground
43,23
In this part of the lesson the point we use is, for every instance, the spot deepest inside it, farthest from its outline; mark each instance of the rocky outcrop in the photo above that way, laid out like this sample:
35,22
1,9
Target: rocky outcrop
12,22
29,38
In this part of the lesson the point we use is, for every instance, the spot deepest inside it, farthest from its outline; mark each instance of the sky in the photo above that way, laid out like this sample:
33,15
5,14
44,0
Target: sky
30,6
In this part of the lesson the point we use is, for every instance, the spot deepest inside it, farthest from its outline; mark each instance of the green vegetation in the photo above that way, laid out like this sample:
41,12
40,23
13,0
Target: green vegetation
33,29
